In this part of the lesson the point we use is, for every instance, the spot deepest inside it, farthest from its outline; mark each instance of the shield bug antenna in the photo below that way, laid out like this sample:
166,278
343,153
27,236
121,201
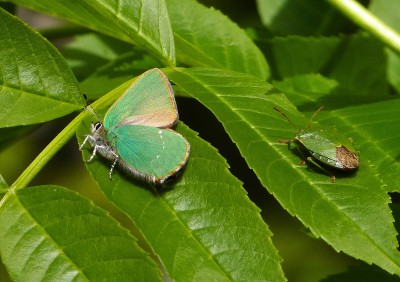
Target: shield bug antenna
324,146
285,116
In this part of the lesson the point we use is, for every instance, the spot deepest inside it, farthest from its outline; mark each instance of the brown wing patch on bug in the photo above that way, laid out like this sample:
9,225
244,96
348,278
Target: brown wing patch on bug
346,157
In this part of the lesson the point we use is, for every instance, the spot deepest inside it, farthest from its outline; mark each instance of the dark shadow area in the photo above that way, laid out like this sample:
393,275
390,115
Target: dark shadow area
201,120
362,273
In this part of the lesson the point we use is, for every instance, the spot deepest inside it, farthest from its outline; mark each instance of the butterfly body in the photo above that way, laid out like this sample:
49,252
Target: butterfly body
136,134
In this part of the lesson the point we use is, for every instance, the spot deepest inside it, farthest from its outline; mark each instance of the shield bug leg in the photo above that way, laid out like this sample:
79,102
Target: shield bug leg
302,162
284,141
311,160
303,157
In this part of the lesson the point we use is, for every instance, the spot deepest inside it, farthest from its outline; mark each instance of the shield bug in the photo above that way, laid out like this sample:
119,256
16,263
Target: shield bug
324,146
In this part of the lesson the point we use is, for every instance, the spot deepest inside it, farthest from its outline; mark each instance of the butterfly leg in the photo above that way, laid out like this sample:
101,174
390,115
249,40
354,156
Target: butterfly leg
114,163
95,147
84,141
94,152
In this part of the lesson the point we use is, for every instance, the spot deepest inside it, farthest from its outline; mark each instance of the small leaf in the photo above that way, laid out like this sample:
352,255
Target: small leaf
90,51
50,233
353,68
355,203
145,23
3,185
204,227
205,37
36,83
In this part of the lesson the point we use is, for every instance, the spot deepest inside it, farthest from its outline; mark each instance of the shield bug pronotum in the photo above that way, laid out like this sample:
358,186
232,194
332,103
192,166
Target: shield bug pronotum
324,146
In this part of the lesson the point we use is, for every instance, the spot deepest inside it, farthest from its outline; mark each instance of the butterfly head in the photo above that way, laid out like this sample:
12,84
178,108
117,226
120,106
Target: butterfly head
97,127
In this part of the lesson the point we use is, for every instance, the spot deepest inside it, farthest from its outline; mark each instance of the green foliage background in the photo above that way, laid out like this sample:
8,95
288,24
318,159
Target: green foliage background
244,209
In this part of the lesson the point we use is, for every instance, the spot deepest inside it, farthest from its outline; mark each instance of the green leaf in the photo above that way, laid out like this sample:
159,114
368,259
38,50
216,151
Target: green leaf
297,55
204,227
300,17
387,11
36,83
87,52
353,67
244,105
359,102
311,91
145,23
393,69
114,73
205,37
50,233
376,130
376,120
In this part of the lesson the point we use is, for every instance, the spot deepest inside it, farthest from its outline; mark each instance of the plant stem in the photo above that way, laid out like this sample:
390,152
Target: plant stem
361,16
54,146
62,138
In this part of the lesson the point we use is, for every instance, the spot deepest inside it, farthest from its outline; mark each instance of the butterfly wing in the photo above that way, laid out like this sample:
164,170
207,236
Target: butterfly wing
151,151
148,101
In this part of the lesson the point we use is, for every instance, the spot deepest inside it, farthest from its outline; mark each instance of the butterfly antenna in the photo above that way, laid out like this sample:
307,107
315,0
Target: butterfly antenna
89,107
279,111
314,115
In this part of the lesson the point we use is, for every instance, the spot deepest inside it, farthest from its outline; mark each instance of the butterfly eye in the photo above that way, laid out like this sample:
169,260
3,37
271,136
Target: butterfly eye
97,126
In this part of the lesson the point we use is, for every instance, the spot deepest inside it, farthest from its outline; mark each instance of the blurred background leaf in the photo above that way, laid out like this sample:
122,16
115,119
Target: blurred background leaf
195,46
145,23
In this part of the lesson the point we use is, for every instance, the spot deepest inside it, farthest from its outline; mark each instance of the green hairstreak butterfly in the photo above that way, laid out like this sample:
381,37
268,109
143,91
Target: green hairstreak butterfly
136,134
